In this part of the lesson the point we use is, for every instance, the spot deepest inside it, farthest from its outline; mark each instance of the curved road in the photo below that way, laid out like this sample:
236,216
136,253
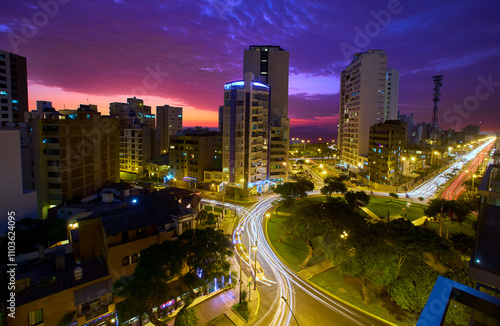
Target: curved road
276,280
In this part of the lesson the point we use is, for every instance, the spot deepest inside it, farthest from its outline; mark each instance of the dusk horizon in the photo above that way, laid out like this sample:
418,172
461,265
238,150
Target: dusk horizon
186,59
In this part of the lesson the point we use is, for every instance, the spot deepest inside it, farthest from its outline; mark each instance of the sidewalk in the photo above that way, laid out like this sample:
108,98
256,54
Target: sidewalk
219,303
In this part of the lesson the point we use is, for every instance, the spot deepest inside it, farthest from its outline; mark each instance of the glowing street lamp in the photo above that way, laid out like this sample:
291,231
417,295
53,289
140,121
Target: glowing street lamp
344,236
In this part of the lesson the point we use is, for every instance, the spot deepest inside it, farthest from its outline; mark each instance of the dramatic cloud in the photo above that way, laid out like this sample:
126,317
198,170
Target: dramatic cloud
182,52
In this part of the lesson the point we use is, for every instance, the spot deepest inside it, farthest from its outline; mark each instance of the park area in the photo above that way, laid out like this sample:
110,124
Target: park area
381,205
390,300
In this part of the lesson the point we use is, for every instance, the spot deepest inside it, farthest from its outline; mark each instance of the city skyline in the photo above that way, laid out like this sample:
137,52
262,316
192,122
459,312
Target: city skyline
181,55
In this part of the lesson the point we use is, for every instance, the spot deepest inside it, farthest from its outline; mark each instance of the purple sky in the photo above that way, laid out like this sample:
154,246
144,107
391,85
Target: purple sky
106,51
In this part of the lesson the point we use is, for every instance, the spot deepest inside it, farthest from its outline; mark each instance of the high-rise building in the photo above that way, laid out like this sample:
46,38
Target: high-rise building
484,265
75,153
391,94
168,123
139,140
410,123
270,65
245,162
364,101
387,143
13,87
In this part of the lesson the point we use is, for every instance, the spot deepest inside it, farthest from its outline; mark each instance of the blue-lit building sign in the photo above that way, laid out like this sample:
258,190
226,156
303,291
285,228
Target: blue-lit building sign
240,84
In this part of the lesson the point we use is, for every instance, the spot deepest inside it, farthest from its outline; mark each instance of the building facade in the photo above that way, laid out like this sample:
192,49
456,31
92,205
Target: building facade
192,152
270,65
385,158
75,152
245,162
391,94
364,101
168,123
13,87
103,247
139,140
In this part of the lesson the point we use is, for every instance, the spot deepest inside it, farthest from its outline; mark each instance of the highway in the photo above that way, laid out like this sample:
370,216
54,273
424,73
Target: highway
429,188
456,188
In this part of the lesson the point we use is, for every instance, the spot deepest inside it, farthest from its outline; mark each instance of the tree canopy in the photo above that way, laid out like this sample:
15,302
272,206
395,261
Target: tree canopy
290,191
195,258
409,297
358,198
373,261
333,185
457,210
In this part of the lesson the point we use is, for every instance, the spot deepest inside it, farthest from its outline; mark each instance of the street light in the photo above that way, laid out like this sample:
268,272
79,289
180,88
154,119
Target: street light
344,236
283,298
254,248
473,190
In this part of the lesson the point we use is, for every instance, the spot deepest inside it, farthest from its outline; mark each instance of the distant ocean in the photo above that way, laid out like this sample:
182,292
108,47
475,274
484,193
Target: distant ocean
313,134
308,133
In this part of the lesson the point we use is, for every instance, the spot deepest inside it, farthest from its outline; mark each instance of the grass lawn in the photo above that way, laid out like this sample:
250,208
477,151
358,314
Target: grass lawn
349,289
380,206
293,251
242,310
465,227
301,203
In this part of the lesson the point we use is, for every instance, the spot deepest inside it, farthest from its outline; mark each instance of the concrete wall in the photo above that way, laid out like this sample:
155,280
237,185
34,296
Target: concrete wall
13,199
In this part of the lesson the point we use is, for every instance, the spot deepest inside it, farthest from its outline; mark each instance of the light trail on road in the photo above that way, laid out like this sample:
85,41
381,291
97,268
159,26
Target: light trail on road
280,276
429,188
457,187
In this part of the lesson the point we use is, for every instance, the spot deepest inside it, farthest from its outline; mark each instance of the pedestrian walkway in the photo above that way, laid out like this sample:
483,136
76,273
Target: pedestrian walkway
370,213
315,269
420,221
215,304
219,303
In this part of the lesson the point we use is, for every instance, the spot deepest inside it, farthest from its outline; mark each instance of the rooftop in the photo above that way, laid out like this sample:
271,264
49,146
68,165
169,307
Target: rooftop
54,272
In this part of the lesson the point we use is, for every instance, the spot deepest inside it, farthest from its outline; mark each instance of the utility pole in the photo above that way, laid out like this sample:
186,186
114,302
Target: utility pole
223,200
241,281
255,268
